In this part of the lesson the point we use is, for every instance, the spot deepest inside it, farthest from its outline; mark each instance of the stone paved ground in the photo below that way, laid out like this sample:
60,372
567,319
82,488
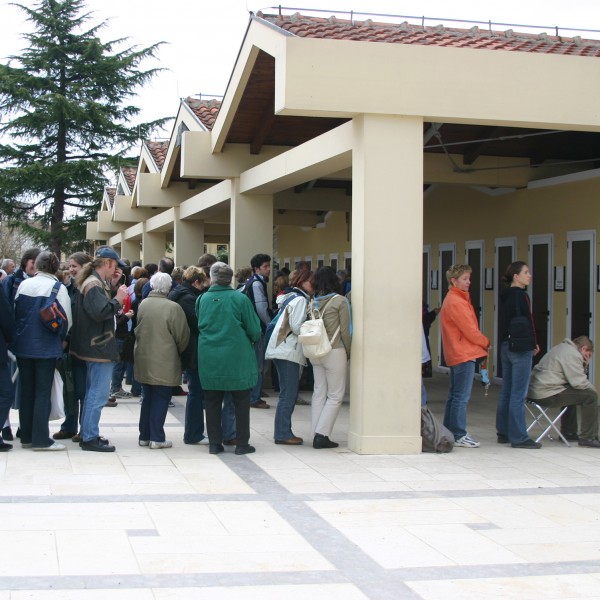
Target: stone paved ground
296,523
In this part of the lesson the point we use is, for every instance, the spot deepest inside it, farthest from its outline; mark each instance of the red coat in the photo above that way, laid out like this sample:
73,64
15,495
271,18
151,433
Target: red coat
461,338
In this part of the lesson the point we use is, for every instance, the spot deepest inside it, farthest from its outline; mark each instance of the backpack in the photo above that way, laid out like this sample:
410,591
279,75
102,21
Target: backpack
313,335
53,315
271,325
436,437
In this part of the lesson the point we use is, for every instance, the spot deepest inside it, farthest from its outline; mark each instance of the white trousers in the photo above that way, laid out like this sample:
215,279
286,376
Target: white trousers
330,386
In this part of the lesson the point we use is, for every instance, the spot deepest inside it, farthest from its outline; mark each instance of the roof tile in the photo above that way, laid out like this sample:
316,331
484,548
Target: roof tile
158,150
205,110
406,33
130,175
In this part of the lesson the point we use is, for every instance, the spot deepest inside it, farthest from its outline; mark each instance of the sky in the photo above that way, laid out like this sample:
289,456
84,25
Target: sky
203,38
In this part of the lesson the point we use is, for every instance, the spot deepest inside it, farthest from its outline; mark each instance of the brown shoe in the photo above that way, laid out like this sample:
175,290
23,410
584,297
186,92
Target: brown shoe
293,441
76,438
260,404
111,402
63,435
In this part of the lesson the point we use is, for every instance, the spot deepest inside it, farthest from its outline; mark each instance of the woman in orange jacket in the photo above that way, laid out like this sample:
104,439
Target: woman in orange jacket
463,344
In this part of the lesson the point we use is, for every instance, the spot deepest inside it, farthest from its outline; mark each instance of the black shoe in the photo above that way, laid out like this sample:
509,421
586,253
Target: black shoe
247,449
215,448
527,444
322,441
593,443
4,447
502,439
7,434
231,442
97,445
18,434
570,437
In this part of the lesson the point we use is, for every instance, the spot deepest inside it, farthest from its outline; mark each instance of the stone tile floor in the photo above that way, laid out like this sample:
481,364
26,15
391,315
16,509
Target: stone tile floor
296,523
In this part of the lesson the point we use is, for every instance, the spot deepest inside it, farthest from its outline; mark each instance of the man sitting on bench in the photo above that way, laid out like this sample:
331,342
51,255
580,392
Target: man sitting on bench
560,379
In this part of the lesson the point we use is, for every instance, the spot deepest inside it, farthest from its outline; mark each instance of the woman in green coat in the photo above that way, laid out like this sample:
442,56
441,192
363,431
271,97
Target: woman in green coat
228,326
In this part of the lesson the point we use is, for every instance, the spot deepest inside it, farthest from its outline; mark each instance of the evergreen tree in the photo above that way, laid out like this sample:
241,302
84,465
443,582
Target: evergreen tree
67,119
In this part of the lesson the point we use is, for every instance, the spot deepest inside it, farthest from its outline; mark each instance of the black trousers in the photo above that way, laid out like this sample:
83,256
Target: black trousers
213,404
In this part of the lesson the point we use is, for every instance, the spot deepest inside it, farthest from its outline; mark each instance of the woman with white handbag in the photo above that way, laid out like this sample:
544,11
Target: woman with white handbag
330,369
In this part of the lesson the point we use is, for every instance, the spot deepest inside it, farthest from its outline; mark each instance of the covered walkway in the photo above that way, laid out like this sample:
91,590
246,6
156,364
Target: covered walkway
296,523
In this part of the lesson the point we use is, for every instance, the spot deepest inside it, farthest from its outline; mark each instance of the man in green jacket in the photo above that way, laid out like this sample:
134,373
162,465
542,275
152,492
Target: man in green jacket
227,329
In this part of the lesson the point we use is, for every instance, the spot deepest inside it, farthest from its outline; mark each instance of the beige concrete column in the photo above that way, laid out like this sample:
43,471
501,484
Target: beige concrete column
387,234
188,240
130,249
153,246
251,226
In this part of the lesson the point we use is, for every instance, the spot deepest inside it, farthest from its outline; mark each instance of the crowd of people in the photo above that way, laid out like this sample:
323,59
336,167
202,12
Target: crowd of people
152,324
558,380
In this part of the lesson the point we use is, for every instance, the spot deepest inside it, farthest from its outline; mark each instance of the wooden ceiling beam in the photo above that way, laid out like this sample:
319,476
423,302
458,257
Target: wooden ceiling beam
264,124
475,150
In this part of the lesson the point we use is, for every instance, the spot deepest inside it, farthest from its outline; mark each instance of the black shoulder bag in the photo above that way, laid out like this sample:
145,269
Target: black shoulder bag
521,335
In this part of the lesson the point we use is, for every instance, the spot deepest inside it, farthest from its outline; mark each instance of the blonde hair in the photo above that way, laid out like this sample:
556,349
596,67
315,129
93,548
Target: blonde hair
455,271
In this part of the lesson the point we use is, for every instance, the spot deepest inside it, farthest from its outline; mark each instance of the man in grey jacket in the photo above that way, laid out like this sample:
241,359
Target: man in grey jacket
560,379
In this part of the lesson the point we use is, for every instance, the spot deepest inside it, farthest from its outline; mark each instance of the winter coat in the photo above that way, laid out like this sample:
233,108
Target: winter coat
284,344
11,284
8,326
186,295
93,334
509,299
461,338
335,311
32,338
161,335
228,326
562,367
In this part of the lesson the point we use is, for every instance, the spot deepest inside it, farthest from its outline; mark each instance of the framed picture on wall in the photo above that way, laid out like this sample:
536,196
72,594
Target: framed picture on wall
434,279
559,279
489,278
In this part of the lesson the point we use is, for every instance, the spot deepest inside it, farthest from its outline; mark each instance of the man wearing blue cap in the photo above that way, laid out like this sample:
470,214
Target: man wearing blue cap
93,339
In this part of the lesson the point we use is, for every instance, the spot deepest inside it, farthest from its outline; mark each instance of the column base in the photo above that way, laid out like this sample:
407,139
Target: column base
379,444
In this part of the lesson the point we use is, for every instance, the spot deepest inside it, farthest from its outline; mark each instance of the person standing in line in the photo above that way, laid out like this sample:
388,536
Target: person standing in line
93,339
161,335
37,349
7,331
511,426
227,329
463,344
330,370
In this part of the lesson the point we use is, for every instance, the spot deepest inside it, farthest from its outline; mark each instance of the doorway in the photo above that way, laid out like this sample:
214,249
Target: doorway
581,259
506,250
540,291
447,259
474,258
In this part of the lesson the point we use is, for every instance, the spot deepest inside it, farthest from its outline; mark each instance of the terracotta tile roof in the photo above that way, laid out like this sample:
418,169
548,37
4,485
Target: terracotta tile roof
406,33
205,110
158,151
130,175
110,195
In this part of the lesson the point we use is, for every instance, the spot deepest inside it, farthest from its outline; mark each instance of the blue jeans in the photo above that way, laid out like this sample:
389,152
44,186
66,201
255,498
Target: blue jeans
79,370
193,431
97,390
459,394
289,382
36,375
259,351
510,413
118,370
155,405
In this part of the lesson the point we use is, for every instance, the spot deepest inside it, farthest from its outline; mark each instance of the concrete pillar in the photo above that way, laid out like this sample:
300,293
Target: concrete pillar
387,239
251,226
153,246
130,249
188,240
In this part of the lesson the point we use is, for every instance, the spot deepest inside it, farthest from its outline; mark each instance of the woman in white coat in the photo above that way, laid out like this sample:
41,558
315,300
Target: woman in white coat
285,351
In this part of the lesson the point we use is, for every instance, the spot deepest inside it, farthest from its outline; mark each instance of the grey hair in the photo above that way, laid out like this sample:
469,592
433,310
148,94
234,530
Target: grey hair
161,283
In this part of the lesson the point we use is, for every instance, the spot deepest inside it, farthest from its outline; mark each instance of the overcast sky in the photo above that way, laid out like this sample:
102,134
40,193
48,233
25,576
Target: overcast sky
203,38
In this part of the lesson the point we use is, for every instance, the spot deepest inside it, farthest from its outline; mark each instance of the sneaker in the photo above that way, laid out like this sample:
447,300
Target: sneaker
466,441
527,445
121,394
160,445
55,446
97,445
593,443
143,442
202,442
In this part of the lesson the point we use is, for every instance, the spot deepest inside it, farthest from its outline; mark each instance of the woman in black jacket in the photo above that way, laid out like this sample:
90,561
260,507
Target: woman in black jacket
516,356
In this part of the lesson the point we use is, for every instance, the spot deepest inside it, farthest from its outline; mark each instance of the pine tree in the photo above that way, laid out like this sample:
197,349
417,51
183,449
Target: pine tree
66,115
